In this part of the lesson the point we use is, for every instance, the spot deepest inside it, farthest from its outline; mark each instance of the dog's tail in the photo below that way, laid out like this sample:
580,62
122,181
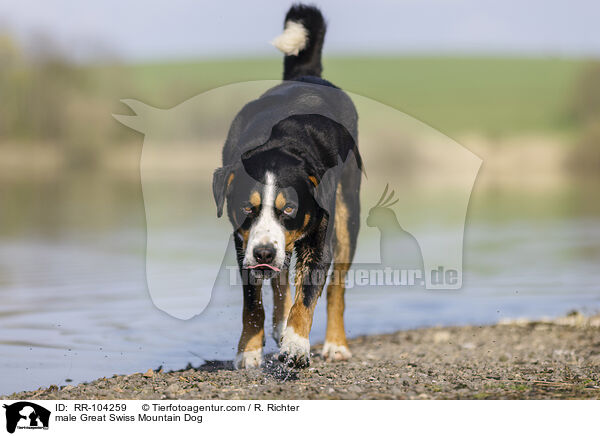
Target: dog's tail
302,42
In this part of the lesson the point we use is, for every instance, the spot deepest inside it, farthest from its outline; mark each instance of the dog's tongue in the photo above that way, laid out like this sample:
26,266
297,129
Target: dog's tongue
274,268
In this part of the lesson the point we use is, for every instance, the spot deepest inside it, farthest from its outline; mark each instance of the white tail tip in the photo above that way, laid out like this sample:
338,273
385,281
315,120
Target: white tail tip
293,39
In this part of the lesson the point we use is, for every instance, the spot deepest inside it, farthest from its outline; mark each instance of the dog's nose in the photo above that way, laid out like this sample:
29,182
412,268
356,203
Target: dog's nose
264,253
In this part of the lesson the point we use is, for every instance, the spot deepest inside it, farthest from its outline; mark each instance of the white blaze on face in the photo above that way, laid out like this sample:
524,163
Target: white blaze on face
266,230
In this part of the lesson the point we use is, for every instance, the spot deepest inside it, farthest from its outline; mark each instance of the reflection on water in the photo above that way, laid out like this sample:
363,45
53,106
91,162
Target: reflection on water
75,304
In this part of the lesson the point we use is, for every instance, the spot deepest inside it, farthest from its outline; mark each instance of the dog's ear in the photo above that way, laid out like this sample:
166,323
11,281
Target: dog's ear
325,192
325,187
222,179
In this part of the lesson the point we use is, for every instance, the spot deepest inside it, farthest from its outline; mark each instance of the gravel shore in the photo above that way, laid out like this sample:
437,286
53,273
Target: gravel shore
513,360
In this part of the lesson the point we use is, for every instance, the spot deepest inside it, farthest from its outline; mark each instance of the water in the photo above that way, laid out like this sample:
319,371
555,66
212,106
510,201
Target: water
75,305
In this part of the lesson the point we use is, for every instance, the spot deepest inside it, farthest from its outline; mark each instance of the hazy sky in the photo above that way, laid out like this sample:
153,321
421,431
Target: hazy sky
145,29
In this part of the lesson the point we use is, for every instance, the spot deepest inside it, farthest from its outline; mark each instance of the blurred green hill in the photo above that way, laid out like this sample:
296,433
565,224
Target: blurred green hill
50,103
454,95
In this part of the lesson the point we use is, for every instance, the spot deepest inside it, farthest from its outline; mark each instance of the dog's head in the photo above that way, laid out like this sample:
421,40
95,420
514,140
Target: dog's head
271,202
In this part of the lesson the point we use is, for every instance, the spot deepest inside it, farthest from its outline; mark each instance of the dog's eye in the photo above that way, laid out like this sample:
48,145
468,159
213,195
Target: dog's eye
247,210
288,210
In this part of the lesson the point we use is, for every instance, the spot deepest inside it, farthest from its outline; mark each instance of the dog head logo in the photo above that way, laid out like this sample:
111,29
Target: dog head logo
189,252
26,415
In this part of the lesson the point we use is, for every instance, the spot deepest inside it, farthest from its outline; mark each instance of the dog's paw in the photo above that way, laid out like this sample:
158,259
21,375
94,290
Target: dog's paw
294,350
248,359
335,353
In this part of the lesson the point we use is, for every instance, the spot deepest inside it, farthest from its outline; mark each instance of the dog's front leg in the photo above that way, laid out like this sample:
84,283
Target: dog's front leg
310,278
253,333
252,340
282,302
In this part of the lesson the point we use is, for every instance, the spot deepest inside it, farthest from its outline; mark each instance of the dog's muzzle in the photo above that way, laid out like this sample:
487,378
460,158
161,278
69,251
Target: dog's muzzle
264,255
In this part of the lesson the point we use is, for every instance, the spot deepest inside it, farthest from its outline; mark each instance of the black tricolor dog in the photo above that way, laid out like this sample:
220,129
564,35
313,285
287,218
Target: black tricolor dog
291,177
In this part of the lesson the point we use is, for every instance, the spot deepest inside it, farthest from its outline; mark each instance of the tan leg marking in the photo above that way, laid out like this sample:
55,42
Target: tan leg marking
336,345
294,342
253,333
301,316
282,302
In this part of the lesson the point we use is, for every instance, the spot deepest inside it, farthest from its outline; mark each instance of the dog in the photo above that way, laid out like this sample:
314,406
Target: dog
291,178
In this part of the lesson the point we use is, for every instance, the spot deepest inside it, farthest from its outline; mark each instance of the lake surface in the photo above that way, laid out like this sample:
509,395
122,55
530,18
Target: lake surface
75,305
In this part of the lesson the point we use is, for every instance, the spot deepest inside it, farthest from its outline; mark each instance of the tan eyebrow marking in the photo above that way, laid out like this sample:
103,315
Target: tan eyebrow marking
280,201
255,199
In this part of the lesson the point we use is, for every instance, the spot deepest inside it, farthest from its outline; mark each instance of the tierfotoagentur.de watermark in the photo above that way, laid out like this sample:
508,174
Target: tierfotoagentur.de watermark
373,276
